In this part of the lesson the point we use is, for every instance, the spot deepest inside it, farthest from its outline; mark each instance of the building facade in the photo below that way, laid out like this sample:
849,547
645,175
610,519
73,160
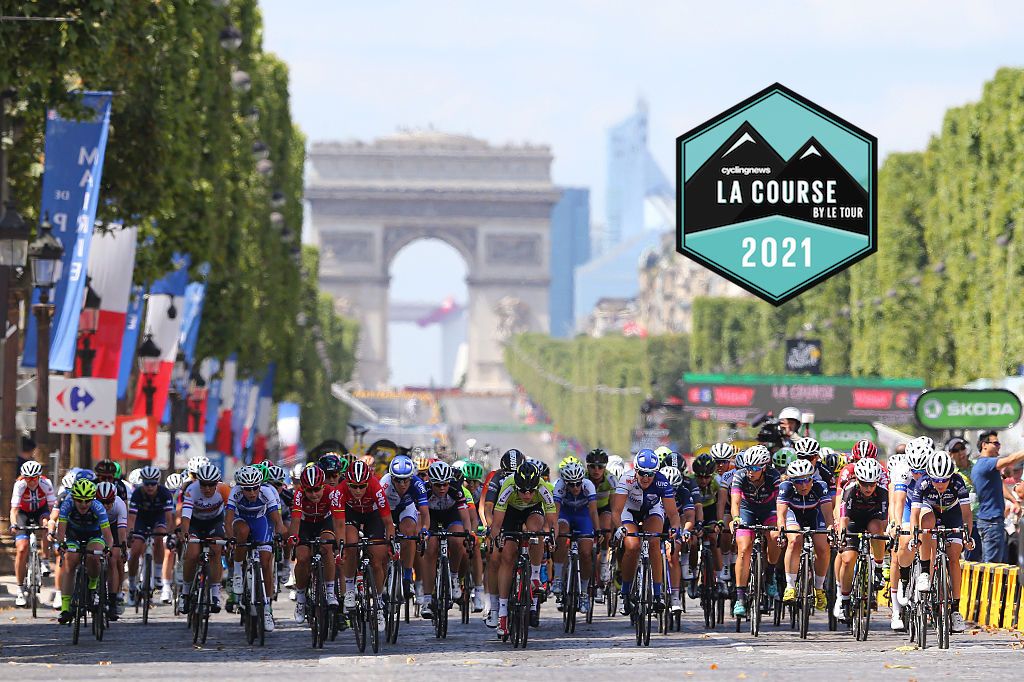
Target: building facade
570,247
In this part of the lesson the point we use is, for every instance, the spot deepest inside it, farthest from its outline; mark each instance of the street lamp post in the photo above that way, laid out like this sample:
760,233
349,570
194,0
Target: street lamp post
46,258
197,393
179,377
149,367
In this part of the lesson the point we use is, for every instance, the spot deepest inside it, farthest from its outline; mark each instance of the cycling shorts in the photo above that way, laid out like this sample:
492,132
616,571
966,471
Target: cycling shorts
756,516
444,519
635,515
859,524
951,518
311,530
369,522
805,518
75,538
207,528
144,525
260,531
578,521
408,512
516,518
32,518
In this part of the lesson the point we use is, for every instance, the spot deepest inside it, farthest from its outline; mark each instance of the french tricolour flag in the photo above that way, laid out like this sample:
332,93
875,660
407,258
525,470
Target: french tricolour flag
111,262
163,295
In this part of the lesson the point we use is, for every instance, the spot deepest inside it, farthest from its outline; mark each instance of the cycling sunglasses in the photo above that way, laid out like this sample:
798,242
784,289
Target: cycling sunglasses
207,484
753,467
597,466
574,484
800,481
251,488
941,480
645,473
919,471
527,491
356,486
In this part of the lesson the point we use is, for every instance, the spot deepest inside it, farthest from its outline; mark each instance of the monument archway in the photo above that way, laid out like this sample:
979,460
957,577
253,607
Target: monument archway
491,204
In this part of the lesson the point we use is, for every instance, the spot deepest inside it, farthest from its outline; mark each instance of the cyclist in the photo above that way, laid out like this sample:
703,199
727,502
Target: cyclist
781,459
804,501
367,511
508,464
861,449
941,500
316,514
82,522
407,496
904,471
276,476
150,510
754,490
523,502
202,516
809,449
576,502
449,511
334,466
473,472
422,462
31,502
680,570
109,471
712,498
252,514
117,515
723,454
644,498
604,485
863,508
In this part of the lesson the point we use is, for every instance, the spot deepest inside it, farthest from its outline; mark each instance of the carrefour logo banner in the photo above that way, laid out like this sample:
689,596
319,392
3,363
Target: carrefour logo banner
71,186
83,405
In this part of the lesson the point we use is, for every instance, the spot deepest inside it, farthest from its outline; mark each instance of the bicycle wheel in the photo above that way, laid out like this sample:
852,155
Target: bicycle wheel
830,591
755,590
358,616
921,627
647,598
146,588
79,600
858,600
259,599
392,603
571,602
441,599
205,602
98,607
943,619
33,582
525,604
464,601
805,594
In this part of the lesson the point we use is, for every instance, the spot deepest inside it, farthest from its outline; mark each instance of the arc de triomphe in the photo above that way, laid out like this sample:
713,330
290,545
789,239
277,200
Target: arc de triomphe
492,204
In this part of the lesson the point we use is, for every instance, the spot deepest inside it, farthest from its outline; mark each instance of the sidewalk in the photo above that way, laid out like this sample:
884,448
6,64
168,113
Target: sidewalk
9,588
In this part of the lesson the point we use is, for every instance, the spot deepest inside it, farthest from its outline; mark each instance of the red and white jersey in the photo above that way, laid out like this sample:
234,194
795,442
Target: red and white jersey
33,499
305,509
373,499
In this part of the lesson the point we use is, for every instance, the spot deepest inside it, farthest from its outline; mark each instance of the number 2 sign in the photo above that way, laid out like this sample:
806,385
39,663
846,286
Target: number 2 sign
134,438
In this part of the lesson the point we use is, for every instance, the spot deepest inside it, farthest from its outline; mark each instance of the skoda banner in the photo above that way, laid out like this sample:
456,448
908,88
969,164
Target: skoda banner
842,435
991,408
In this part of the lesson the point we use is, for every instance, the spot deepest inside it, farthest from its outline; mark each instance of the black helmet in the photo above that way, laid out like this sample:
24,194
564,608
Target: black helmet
542,467
674,459
330,463
527,477
511,460
703,465
597,456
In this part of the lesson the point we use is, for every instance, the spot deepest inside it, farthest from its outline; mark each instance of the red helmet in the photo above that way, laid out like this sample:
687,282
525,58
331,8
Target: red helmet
313,477
864,448
359,472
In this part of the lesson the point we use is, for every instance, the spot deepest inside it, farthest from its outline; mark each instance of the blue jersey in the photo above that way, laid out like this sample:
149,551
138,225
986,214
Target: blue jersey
575,502
923,493
687,494
94,519
150,506
416,494
266,502
818,495
640,499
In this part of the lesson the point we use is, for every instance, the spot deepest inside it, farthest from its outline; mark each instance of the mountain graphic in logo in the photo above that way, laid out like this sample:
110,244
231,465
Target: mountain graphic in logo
746,179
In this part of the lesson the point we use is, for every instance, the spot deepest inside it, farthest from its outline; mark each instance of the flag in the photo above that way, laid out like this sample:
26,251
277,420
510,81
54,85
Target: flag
111,262
71,185
165,294
264,406
238,412
212,406
288,432
129,340
195,293
224,438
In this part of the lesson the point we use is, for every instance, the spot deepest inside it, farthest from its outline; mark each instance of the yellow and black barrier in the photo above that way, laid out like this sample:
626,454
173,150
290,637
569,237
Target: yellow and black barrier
990,595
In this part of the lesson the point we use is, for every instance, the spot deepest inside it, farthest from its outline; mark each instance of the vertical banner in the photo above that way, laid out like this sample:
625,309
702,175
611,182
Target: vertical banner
238,413
111,263
224,438
163,320
288,432
264,406
71,186
195,294
212,408
130,340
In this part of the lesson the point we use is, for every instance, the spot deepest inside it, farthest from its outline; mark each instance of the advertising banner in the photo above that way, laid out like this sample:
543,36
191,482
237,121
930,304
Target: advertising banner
111,262
134,438
82,405
803,356
842,435
991,408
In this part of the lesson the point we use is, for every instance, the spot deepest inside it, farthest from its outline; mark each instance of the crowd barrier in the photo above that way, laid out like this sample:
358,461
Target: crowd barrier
990,595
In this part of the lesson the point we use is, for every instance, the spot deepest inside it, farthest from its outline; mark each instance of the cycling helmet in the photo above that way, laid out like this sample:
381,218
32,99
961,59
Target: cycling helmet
149,474
527,477
674,476
896,460
703,465
173,481
662,452
573,472
117,470
790,413
615,468
864,448
800,468
941,465
249,476
571,459
359,472
597,456
83,489
313,477
264,469
806,448
674,459
135,477
330,463
401,468
740,460
542,467
780,458
88,475
208,473
867,470
757,455
297,471
368,460
841,464
31,469
511,460
645,461
277,474
195,462
473,471
69,480
722,452
105,467
106,492
925,440
918,454
422,463
441,472
830,460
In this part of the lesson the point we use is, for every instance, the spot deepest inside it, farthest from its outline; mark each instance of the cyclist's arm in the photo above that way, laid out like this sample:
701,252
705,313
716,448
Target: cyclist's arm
735,511
108,537
965,509
618,504
724,509
781,508
671,511
915,518
698,513
827,511
688,518
595,518
486,512
62,527
467,519
496,520
275,518
424,516
229,523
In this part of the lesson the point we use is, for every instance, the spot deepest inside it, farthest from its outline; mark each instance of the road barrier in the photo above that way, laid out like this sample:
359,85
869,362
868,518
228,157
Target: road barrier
990,595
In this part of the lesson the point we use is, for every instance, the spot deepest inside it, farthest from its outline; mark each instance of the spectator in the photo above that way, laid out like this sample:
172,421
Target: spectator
988,483
959,450
28,447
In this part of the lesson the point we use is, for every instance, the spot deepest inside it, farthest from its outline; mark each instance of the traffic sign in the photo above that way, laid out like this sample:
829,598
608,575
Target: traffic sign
990,408
134,438
82,405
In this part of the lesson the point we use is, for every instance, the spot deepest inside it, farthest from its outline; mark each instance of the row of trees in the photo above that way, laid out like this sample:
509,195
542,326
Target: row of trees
939,300
203,156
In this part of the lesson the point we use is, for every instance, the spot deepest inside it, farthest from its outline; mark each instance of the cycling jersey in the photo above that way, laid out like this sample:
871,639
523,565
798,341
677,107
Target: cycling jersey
826,475
575,502
644,500
305,509
817,495
372,500
416,494
922,493
197,505
118,513
453,498
604,489
508,496
494,483
287,497
28,499
687,495
855,503
708,497
93,520
755,494
265,503
151,506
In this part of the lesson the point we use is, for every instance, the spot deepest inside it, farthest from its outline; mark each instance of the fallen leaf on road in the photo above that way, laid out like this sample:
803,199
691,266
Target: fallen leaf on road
741,676
906,648
714,666
705,636
892,666
409,660
104,662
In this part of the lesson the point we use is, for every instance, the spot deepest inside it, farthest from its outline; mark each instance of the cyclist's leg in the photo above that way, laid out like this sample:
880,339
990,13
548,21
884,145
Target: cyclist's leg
21,549
456,550
927,521
93,562
408,525
792,561
846,558
429,572
67,575
630,552
535,523
822,554
654,523
561,552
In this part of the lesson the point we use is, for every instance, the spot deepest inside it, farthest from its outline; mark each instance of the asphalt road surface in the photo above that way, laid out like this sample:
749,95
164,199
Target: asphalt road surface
163,650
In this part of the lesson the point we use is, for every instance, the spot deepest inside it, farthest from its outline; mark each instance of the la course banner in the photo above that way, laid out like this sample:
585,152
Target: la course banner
776,194
71,185
990,408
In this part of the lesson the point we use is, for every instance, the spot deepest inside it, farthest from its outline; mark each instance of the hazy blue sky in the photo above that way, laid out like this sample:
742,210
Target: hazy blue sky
562,73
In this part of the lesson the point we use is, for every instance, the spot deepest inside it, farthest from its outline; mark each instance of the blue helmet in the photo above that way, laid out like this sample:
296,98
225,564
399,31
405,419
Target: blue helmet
85,474
402,467
645,461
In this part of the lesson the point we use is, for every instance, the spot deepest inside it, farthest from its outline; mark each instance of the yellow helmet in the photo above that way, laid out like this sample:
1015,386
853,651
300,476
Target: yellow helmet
422,463
571,459
662,452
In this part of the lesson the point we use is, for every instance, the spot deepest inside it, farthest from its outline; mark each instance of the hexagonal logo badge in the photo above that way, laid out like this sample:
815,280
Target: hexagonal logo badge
777,194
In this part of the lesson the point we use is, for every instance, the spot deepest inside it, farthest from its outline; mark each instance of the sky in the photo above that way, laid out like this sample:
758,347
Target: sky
562,73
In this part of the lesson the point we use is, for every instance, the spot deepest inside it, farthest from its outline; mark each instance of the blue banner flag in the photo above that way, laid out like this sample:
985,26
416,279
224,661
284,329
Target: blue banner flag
195,294
71,188
212,408
133,320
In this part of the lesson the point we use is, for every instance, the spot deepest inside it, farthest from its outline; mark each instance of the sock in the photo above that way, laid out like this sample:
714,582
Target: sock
536,603
559,571
186,587
494,602
502,607
535,572
93,582
586,585
158,570
819,582
215,590
350,584
238,568
741,594
164,582
791,580
65,602
926,566
300,597
905,573
133,583
330,588
657,590
407,574
675,593
626,584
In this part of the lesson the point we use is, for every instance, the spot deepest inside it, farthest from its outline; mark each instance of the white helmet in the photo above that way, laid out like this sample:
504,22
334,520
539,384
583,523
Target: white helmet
195,462
925,440
674,476
69,480
757,455
135,477
616,466
799,468
790,413
573,472
297,472
722,452
896,460
941,465
173,481
31,469
867,470
807,447
918,454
